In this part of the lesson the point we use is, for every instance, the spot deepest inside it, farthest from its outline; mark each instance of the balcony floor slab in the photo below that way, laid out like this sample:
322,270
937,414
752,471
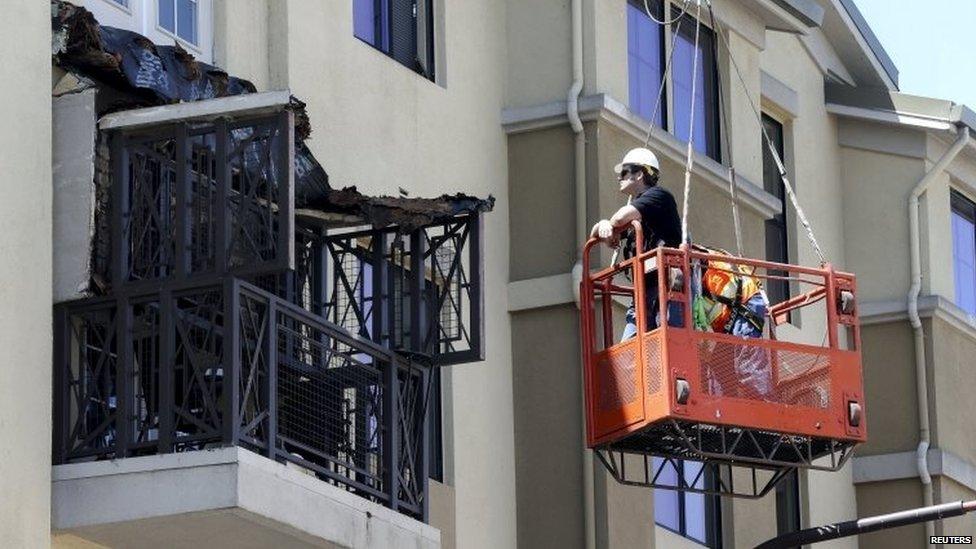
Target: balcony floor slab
225,497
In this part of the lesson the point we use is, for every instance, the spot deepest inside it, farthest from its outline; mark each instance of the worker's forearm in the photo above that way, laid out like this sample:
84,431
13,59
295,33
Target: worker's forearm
623,216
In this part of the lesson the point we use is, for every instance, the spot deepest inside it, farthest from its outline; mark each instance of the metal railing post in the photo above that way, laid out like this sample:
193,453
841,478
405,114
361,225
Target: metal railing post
167,366
125,369
231,362
271,398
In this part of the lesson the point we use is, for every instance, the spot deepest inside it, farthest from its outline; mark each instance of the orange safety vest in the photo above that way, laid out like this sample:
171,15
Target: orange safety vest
725,286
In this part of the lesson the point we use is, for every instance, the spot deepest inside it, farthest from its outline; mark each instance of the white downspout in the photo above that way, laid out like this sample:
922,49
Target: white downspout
921,383
579,176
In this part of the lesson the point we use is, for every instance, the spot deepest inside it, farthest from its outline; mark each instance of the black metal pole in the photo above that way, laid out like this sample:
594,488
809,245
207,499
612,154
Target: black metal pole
870,524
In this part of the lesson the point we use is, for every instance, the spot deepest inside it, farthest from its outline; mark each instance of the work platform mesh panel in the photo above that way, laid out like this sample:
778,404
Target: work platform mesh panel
618,377
748,369
653,364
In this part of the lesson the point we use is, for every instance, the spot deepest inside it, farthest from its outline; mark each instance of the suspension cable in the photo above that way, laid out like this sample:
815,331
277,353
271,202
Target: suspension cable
769,144
690,162
723,110
661,88
684,10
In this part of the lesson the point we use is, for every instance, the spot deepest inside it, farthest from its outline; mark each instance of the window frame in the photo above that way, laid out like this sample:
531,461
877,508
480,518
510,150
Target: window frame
195,46
708,61
788,514
712,510
126,8
963,206
780,220
658,9
712,95
384,38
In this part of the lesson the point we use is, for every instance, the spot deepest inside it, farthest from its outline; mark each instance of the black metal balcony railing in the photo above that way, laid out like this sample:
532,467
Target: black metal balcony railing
192,368
225,323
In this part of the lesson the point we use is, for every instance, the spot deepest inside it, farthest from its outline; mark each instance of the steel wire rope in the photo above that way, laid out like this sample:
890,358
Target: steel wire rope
690,161
769,144
660,94
684,10
723,112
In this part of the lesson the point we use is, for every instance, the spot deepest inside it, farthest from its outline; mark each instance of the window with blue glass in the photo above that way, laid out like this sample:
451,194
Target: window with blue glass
694,516
705,133
402,29
180,18
645,60
964,251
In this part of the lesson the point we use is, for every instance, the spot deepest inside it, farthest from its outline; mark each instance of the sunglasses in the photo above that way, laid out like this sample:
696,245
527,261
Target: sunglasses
629,170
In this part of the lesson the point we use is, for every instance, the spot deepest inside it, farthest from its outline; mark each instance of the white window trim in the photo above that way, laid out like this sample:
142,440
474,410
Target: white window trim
125,9
196,48
142,16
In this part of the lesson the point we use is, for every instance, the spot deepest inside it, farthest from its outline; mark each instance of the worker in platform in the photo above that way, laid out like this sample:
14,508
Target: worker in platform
657,211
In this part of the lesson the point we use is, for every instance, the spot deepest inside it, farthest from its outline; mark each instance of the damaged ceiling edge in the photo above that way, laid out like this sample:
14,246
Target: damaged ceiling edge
151,75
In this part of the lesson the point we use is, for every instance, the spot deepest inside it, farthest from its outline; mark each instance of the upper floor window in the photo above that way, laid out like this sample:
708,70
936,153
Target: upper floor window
777,237
402,29
188,22
964,251
647,45
694,516
645,61
180,18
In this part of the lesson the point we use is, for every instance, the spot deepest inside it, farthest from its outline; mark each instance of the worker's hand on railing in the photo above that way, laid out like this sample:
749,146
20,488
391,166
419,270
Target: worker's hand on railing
605,231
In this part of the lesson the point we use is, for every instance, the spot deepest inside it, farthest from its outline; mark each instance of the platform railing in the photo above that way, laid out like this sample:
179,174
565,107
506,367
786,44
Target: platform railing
796,388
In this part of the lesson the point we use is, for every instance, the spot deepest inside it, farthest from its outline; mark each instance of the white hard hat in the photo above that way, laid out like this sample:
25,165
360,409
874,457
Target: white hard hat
641,157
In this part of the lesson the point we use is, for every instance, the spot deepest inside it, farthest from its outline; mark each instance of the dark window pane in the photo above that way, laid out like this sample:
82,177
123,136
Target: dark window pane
788,504
644,45
777,238
695,515
167,15
705,131
964,261
666,502
186,23
364,19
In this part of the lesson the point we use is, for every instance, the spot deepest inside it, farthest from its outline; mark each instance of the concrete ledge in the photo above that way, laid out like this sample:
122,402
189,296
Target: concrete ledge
779,94
101,493
603,107
535,293
929,306
252,103
901,465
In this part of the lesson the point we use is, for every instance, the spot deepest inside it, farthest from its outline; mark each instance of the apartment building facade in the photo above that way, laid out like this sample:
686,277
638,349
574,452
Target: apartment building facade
442,97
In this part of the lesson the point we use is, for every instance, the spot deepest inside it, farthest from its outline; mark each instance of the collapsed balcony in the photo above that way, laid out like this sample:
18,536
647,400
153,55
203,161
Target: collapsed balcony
219,313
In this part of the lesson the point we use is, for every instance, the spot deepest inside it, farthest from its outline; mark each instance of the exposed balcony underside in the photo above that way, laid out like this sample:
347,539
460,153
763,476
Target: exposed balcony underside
228,497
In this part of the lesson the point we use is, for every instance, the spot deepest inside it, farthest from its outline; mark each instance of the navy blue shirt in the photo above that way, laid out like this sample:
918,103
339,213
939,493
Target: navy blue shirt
659,220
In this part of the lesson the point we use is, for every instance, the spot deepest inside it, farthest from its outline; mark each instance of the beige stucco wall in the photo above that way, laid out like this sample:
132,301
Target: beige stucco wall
242,36
380,126
948,490
548,440
888,354
539,64
953,379
25,275
875,209
878,498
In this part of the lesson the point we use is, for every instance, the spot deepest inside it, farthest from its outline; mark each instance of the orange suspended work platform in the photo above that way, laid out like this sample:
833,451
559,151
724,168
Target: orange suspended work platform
725,402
